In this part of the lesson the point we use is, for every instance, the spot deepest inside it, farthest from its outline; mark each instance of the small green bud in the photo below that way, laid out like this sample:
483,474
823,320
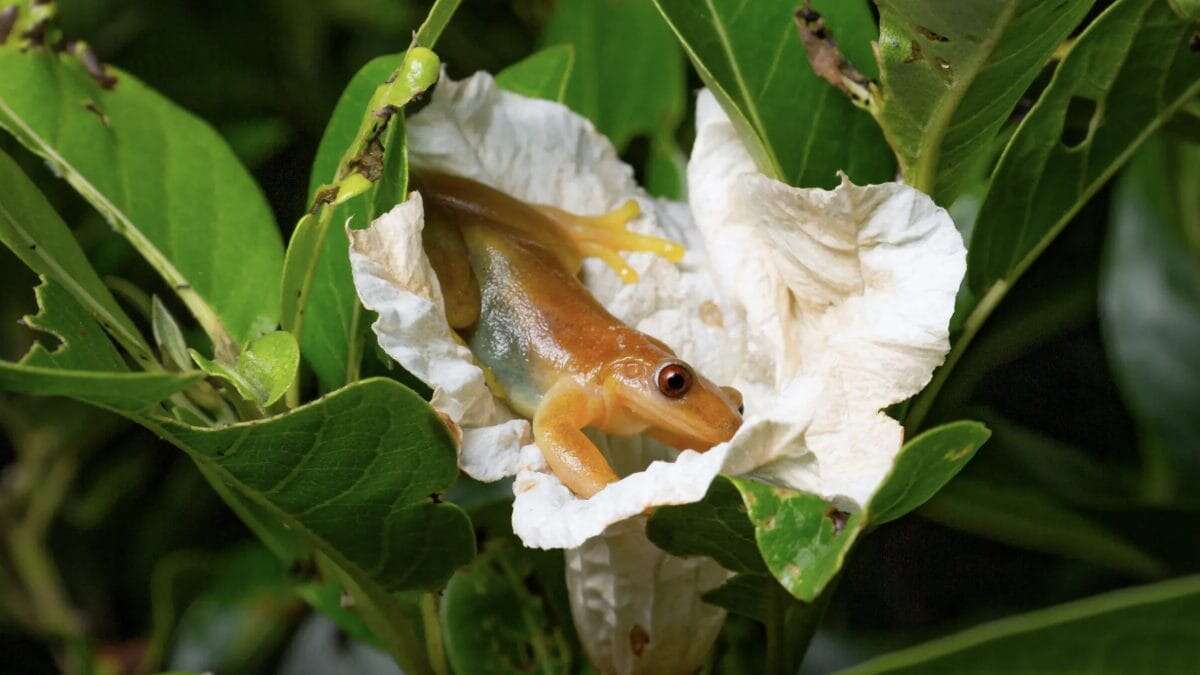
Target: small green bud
420,70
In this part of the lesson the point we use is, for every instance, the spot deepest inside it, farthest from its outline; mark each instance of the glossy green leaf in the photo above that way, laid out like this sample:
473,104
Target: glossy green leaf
717,527
799,128
629,75
355,473
545,74
494,622
1148,629
264,369
952,72
803,539
35,233
124,392
85,366
164,180
1150,306
330,337
924,465
84,346
1030,519
1131,69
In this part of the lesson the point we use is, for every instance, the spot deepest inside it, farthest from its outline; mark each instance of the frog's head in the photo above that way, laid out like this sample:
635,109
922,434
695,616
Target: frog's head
669,400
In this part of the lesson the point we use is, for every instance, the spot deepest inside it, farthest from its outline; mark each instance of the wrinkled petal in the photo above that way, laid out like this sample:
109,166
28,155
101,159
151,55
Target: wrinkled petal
852,286
640,607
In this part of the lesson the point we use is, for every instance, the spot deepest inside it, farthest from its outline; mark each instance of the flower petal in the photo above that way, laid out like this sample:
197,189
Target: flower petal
853,286
637,608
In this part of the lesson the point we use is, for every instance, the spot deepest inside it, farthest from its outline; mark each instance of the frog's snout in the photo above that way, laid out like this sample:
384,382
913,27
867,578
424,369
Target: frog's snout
735,397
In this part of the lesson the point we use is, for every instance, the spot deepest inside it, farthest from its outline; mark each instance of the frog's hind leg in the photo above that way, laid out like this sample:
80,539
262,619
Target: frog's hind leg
558,431
605,236
447,253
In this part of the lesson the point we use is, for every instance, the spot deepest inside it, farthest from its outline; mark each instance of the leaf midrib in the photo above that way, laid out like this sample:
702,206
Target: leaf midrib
743,87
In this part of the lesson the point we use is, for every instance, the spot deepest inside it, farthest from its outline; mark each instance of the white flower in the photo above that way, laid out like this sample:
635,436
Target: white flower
821,306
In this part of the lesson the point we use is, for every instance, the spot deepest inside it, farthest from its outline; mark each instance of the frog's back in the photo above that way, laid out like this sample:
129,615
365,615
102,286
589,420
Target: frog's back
536,320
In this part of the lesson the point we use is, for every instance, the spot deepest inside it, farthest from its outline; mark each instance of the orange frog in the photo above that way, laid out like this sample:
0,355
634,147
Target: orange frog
509,276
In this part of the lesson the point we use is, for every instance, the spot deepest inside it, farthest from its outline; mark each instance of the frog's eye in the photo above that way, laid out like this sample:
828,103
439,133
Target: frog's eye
674,380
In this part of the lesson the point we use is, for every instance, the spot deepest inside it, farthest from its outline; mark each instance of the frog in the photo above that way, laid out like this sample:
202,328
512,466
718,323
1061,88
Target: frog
510,278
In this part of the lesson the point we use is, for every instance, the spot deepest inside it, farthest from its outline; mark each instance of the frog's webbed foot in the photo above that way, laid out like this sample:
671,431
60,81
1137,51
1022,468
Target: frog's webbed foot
605,236
558,431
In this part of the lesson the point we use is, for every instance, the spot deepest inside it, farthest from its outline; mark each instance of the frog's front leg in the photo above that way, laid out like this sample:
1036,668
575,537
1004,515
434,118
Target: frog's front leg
558,431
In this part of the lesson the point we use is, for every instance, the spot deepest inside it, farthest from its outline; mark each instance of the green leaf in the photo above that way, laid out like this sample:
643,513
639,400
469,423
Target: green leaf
952,72
1132,69
545,74
435,22
318,290
799,128
264,369
748,595
84,346
924,465
803,539
354,473
1030,519
1148,629
86,366
125,393
1150,306
1128,72
666,169
35,233
717,527
164,180
628,76
495,623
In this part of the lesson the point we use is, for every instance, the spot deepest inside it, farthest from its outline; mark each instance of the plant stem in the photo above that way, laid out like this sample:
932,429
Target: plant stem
433,633
32,562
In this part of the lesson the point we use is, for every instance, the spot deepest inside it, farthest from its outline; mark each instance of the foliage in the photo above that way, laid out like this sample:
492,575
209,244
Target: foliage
315,498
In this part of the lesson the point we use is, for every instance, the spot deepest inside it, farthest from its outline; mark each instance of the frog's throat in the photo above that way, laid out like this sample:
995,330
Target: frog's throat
607,235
